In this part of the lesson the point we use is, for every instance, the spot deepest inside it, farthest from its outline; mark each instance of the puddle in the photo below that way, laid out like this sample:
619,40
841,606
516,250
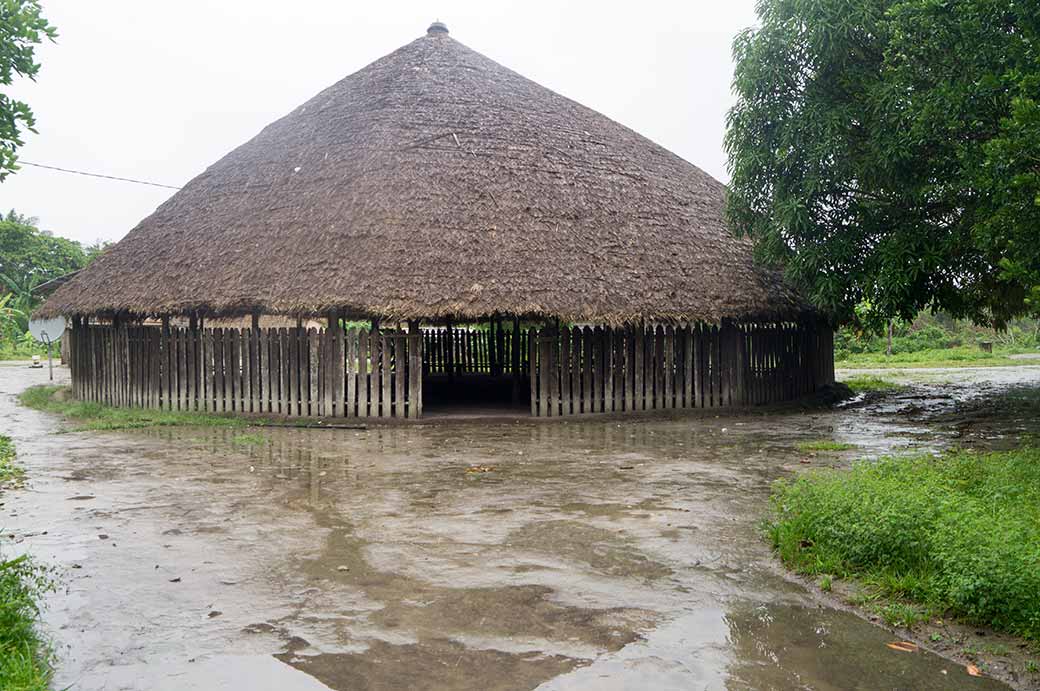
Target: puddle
583,554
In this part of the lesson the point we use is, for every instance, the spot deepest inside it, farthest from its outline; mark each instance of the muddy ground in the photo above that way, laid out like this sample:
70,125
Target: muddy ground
597,554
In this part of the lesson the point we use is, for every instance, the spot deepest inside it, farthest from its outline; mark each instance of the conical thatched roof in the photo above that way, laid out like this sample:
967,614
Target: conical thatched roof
435,182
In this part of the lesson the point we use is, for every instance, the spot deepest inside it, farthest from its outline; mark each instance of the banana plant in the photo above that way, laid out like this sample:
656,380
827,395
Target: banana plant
13,321
20,298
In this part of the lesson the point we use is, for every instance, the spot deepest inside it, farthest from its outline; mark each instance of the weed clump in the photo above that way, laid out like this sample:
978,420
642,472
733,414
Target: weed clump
865,383
958,532
10,473
824,445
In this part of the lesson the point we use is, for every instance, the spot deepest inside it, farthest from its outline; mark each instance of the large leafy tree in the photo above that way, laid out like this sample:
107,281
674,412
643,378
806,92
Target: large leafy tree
887,153
22,27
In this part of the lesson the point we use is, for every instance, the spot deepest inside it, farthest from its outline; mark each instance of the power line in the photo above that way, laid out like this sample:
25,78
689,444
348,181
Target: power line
97,175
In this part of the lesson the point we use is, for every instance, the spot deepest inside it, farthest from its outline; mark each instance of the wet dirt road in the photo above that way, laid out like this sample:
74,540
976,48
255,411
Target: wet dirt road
476,555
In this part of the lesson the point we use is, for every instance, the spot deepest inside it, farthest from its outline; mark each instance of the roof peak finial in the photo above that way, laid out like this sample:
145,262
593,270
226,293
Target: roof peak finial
438,27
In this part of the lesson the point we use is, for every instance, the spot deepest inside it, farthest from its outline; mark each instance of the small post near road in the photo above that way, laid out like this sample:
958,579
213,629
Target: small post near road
48,331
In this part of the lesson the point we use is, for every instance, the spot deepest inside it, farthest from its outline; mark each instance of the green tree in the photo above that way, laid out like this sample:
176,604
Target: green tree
22,28
887,153
28,257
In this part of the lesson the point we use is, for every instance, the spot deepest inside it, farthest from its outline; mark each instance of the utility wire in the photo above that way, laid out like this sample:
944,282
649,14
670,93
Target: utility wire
97,175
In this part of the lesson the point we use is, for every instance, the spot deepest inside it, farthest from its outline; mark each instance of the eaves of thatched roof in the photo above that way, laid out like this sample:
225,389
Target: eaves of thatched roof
437,183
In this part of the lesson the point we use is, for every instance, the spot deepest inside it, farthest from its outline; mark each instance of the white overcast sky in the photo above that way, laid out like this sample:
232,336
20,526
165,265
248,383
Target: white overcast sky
159,90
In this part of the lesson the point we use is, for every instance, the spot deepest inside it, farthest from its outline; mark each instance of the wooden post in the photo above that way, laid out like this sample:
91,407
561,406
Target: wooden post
533,366
385,343
415,370
219,353
619,368
587,338
73,356
375,372
310,379
515,359
284,398
293,334
551,371
638,358
493,346
362,376
566,399
449,350
165,360
334,372
263,372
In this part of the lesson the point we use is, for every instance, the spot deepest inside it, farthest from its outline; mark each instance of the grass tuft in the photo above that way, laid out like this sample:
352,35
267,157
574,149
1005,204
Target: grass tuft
956,533
10,472
823,445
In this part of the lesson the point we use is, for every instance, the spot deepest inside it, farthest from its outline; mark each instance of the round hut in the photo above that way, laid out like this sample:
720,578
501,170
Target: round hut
463,236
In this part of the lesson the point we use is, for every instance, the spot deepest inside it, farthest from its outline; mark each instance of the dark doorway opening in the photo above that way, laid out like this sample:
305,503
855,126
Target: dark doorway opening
474,393
476,369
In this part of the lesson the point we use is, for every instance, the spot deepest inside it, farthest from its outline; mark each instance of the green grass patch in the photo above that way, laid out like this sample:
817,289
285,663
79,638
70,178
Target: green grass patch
25,657
963,356
864,383
87,415
824,445
956,533
10,472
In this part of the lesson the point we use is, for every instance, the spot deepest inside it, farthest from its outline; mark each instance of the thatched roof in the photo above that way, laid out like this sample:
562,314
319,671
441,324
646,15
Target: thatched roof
436,182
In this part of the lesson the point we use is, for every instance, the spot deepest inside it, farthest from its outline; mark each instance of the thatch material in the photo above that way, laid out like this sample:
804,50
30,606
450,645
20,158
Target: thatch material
433,183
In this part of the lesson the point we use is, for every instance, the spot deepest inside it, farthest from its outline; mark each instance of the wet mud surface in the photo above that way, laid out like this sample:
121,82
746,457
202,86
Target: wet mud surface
465,555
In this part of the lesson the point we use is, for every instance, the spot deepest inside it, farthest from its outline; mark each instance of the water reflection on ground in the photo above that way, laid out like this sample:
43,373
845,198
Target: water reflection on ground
479,554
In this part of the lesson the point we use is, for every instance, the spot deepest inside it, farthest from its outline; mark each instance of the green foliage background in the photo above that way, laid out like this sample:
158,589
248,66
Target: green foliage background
937,332
887,154
28,257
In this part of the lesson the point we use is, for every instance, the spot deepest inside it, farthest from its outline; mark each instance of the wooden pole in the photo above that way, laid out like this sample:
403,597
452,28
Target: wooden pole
164,389
449,350
515,364
492,347
415,370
